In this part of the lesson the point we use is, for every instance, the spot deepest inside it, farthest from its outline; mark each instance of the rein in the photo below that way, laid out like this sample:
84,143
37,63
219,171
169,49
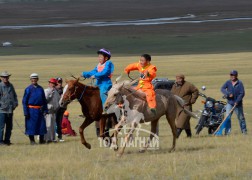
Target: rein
74,94
82,93
133,92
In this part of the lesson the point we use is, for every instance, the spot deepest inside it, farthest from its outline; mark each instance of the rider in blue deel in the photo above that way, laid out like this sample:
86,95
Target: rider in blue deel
102,73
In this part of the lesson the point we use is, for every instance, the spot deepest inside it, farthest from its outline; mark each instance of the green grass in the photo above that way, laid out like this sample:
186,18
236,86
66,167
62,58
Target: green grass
201,157
219,42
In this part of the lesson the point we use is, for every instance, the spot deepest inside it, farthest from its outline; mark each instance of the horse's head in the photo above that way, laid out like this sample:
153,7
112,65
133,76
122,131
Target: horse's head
115,93
69,92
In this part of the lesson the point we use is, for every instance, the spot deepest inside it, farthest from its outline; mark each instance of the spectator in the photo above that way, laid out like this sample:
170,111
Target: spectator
52,97
233,90
8,103
60,112
189,93
66,125
35,106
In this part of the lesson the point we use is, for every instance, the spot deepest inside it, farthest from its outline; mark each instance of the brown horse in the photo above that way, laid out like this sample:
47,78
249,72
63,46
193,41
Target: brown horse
89,98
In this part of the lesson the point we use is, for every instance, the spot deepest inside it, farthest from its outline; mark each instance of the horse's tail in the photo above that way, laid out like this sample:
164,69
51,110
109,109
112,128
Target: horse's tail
181,103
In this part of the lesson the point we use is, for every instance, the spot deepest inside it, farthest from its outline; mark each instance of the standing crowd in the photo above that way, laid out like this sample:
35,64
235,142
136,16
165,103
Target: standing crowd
43,115
41,110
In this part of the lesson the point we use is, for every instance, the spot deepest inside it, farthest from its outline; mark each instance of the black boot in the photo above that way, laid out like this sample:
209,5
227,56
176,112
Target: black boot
188,133
179,130
32,140
41,139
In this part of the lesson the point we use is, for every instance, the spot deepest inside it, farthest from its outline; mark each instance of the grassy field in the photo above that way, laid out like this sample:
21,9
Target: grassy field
201,157
204,52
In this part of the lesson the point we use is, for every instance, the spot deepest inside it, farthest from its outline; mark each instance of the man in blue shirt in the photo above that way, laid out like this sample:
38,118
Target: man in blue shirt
234,91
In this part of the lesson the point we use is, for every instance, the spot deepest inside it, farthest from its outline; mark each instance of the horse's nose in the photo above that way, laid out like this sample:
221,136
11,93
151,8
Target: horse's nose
106,108
61,104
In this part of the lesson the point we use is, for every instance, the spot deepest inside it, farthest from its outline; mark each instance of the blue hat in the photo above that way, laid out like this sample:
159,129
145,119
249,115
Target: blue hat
234,72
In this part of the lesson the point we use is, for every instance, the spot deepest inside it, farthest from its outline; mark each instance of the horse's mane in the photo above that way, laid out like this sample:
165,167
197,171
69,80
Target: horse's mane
88,86
136,93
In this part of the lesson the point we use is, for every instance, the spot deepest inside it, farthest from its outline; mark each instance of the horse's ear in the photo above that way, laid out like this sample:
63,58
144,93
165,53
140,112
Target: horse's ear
76,81
117,79
66,80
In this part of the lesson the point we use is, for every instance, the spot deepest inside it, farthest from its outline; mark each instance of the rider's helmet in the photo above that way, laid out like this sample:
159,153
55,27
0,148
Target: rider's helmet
105,53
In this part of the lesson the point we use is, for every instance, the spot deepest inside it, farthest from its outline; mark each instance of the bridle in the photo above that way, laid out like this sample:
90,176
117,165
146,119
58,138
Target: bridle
74,94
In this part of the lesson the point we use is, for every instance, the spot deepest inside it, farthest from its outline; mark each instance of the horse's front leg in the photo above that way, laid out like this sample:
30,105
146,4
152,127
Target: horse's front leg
127,138
118,128
102,126
85,124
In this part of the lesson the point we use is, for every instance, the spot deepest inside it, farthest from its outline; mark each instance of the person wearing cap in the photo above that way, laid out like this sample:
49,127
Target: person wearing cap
60,112
35,106
66,125
52,97
147,74
233,90
189,93
8,103
102,73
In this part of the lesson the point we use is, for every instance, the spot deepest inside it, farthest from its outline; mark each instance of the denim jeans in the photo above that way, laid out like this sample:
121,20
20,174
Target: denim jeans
227,124
7,123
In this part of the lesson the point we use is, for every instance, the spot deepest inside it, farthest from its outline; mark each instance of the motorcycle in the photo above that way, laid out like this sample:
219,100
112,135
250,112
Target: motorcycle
212,114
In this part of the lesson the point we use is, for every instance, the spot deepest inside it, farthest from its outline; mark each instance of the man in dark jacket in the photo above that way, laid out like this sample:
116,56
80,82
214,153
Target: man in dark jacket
61,110
233,90
8,103
189,93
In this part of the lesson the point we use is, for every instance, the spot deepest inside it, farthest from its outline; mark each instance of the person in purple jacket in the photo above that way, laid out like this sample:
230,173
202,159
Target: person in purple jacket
233,90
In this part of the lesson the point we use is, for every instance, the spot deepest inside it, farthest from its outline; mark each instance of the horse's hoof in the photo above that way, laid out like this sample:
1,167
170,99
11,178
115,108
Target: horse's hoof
119,155
87,146
141,151
171,150
116,149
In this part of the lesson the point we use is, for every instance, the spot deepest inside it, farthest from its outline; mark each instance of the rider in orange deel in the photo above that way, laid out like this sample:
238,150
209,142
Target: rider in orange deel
147,74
